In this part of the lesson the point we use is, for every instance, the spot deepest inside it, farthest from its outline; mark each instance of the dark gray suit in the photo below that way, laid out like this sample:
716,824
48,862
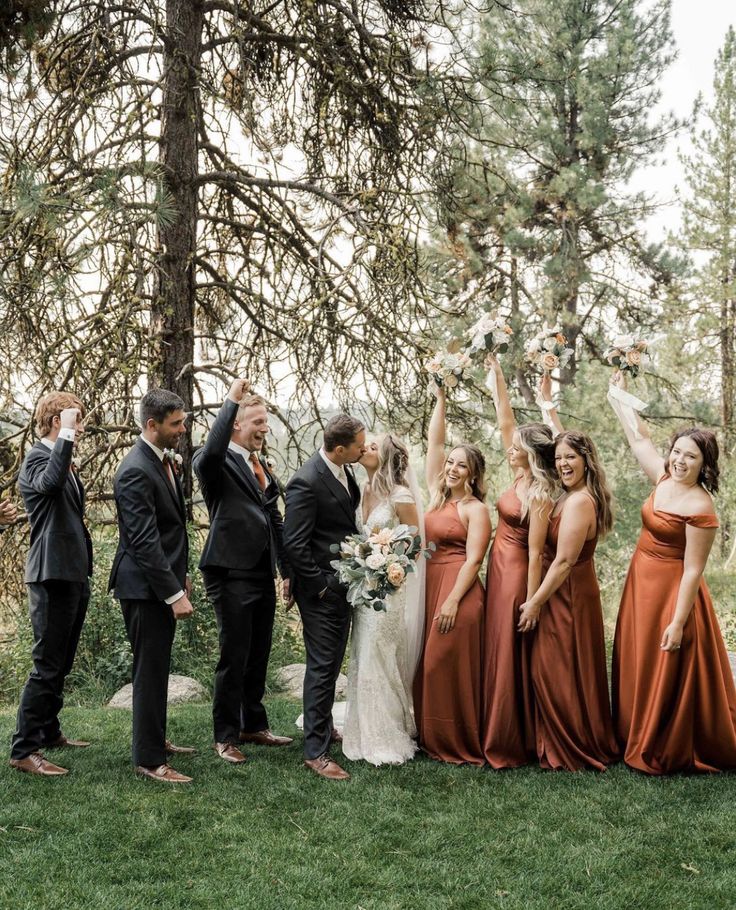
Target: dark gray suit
58,567
238,564
319,512
149,566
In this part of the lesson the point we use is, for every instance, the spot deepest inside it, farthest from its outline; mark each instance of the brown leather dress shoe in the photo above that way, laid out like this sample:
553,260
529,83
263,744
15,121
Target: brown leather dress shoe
335,736
326,767
63,742
165,774
265,738
229,752
35,763
171,749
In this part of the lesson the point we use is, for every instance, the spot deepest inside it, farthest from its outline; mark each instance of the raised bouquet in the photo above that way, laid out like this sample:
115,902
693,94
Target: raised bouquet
374,564
628,354
447,367
490,334
548,350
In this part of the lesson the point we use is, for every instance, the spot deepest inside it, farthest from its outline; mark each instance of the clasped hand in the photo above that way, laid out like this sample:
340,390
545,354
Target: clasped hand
529,616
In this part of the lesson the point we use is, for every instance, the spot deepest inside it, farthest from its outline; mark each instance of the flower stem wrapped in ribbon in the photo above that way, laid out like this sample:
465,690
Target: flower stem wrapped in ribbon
374,564
548,350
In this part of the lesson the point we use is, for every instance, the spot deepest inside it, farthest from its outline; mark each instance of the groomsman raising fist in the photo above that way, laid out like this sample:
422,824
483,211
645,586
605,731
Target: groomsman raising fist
149,573
238,563
58,567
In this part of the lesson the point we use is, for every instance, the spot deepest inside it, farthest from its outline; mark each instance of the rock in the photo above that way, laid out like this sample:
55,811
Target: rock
732,659
181,689
291,679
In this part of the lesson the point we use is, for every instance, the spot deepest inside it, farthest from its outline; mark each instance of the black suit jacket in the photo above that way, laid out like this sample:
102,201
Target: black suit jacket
151,560
61,548
244,520
319,513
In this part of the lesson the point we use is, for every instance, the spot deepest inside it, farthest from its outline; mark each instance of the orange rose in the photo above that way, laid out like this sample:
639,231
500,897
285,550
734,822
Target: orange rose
633,358
550,361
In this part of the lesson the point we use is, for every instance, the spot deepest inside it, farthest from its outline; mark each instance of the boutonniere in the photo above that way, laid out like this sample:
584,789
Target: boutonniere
174,459
76,463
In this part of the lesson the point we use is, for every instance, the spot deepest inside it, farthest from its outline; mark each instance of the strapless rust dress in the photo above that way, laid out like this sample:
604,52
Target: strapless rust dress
573,722
508,721
673,710
447,687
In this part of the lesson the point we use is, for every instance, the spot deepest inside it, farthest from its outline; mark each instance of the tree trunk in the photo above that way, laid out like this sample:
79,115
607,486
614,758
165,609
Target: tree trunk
172,311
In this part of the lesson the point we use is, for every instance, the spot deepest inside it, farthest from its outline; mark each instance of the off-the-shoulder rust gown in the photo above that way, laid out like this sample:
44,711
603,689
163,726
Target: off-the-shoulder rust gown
447,687
573,722
673,710
508,715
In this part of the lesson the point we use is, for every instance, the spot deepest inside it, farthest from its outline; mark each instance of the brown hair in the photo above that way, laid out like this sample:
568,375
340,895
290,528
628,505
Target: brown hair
595,476
537,441
475,485
50,406
706,441
341,430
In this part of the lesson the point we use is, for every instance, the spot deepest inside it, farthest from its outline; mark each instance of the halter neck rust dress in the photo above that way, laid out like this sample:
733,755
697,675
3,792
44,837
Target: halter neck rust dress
508,722
447,687
574,729
673,710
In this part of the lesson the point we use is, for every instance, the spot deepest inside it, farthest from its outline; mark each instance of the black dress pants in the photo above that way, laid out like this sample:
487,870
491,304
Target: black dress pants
151,626
57,610
245,606
326,624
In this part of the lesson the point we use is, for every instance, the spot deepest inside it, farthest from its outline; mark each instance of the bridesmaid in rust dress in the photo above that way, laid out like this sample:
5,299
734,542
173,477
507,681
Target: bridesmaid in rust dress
573,722
514,573
447,687
674,698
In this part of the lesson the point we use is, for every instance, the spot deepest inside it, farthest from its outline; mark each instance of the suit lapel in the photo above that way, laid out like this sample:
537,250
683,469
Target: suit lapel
244,472
160,469
335,487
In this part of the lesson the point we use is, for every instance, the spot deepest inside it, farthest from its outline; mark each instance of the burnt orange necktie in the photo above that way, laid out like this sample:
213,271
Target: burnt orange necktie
258,470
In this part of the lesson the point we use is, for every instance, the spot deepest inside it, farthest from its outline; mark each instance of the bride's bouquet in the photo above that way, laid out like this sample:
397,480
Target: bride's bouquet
490,334
374,563
548,349
628,354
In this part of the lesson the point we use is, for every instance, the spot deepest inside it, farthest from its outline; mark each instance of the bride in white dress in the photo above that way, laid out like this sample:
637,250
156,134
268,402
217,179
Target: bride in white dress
384,650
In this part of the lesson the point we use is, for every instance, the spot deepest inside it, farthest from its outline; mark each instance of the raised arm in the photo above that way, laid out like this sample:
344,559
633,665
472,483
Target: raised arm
504,411
577,519
545,393
436,440
643,448
210,459
479,536
698,543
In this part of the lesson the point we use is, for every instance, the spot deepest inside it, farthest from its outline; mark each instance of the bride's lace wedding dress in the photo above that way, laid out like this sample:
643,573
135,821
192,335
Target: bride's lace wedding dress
379,724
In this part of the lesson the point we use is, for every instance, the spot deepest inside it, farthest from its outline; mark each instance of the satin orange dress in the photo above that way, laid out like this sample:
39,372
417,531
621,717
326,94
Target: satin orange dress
574,729
673,710
447,686
508,721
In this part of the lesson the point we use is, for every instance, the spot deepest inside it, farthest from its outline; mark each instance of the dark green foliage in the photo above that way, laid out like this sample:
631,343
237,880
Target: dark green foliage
21,22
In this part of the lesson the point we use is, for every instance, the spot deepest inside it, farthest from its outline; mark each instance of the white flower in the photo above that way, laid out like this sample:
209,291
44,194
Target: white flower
623,341
375,561
534,346
550,344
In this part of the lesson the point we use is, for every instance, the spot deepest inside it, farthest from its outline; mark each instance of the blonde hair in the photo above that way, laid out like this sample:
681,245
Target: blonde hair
595,476
50,406
250,401
475,485
393,462
538,441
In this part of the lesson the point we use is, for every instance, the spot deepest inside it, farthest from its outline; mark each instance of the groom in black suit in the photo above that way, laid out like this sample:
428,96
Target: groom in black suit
149,573
58,567
238,565
321,499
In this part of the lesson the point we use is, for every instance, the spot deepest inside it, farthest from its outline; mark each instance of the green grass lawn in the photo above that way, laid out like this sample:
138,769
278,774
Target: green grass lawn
272,835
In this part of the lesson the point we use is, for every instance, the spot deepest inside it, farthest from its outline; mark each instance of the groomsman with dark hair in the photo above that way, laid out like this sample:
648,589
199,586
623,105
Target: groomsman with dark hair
149,573
57,574
239,560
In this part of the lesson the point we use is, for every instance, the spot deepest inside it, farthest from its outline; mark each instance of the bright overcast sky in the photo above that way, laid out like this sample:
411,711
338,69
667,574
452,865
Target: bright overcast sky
699,28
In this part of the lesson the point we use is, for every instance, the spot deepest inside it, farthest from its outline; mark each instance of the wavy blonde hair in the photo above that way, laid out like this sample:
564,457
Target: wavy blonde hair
538,441
475,485
393,463
595,476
